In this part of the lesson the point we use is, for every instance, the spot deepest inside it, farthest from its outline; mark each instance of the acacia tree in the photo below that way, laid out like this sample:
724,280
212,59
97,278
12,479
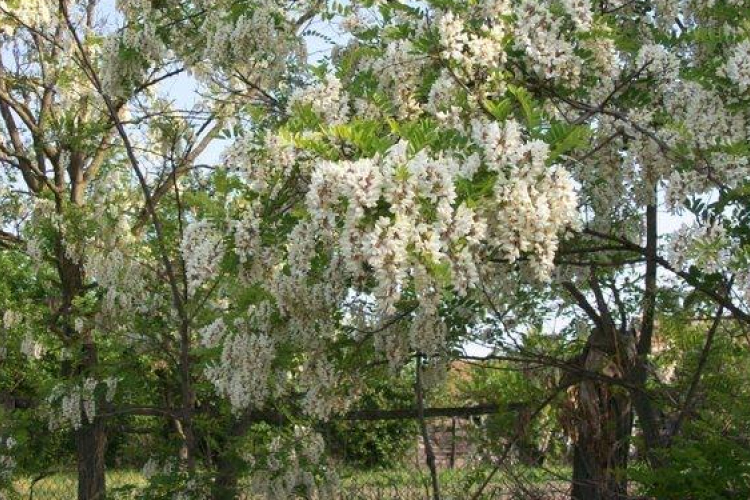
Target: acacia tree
452,173
437,164
90,150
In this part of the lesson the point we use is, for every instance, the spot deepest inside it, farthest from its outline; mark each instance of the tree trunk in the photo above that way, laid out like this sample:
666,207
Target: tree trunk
91,443
91,437
601,447
188,398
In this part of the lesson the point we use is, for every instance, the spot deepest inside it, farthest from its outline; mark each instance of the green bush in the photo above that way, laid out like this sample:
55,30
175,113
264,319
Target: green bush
716,467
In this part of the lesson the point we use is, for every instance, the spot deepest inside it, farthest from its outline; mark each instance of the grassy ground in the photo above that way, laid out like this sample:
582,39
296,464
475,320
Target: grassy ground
63,486
405,483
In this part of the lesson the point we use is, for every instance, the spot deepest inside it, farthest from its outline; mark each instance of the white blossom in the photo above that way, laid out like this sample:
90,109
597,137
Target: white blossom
702,244
31,348
737,67
202,249
243,371
11,318
541,34
326,100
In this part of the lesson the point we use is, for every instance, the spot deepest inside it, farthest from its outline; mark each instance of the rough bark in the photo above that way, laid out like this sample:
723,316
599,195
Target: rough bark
603,418
188,398
600,452
91,437
91,444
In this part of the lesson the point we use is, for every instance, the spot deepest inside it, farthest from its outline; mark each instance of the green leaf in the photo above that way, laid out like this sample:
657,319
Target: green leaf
531,112
563,138
501,109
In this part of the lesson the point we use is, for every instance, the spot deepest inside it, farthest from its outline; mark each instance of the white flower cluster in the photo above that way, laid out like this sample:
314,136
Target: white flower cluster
45,214
35,13
535,202
202,249
666,11
31,348
399,73
7,462
120,277
581,13
246,233
395,220
309,307
319,380
659,62
289,468
534,210
493,9
411,236
35,250
435,372
605,62
731,170
737,67
127,53
150,468
541,34
442,101
257,44
393,342
680,186
704,245
77,405
212,334
742,283
243,371
707,120
326,99
471,51
427,332
703,120
111,385
11,319
262,161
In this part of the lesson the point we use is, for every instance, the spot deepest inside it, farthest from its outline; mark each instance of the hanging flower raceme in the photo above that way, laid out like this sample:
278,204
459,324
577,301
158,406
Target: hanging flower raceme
202,249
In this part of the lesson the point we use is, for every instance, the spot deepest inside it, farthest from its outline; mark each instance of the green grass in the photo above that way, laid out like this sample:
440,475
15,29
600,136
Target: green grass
405,483
63,485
